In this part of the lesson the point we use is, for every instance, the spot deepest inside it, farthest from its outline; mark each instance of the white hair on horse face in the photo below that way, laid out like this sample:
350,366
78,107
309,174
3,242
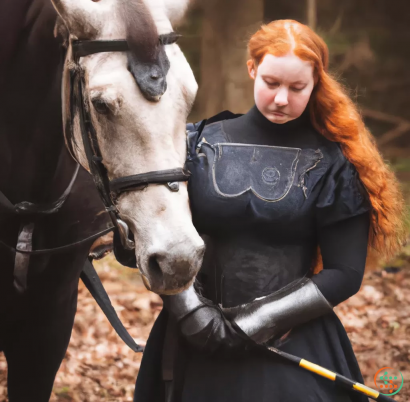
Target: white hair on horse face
136,136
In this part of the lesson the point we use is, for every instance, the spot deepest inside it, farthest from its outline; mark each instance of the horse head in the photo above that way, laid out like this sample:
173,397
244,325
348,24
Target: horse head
138,102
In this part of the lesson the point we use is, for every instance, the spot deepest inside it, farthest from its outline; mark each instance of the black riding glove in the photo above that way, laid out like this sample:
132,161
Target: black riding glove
203,324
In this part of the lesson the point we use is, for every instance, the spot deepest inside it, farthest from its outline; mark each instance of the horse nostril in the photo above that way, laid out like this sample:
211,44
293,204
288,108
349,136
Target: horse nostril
154,267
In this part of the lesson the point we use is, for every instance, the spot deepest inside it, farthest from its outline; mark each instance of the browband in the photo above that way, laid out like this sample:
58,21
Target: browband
82,48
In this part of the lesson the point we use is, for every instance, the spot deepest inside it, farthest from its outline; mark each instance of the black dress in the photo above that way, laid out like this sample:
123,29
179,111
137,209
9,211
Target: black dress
264,196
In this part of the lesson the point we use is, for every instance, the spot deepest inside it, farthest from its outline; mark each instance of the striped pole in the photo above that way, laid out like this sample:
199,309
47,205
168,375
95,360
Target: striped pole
337,378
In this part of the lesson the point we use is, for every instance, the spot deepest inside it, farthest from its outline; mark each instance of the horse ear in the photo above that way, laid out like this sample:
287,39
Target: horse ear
176,9
79,16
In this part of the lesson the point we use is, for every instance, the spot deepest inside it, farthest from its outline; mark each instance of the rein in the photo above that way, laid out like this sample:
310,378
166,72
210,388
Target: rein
24,246
28,208
56,250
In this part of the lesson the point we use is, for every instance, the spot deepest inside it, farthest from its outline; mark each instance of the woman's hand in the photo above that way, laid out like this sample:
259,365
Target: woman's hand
203,324
210,327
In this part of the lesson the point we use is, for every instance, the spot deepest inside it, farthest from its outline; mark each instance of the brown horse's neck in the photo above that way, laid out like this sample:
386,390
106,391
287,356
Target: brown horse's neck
32,154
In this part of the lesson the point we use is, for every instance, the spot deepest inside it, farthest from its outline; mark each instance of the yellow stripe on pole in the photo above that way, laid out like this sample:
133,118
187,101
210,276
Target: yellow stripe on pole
317,369
366,390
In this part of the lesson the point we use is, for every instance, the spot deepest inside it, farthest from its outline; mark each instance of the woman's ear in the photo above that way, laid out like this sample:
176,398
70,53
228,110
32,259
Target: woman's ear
251,69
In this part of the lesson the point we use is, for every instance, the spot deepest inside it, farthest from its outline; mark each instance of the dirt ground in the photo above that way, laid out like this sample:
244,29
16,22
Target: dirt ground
99,367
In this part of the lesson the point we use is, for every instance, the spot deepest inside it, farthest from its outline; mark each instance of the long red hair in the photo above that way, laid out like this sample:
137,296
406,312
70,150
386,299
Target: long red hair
335,116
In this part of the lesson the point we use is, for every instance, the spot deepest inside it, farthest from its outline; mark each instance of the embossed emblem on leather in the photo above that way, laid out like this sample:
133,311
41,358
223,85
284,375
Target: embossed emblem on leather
271,176
267,171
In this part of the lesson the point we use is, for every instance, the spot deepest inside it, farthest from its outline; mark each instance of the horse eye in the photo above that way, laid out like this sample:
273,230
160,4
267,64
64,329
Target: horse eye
100,106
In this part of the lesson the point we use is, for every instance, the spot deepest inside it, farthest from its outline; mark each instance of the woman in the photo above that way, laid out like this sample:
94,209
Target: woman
296,178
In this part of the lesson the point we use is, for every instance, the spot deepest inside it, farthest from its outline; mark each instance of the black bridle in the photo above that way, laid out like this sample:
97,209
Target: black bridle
109,190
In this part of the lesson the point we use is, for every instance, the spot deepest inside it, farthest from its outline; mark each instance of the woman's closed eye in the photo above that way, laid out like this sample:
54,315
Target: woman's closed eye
298,89
272,84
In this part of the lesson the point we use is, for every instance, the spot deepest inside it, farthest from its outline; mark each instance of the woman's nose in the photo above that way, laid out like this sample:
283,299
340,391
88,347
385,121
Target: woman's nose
281,98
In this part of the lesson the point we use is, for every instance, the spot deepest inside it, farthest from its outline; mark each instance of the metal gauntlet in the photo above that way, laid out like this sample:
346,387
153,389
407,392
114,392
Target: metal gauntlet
270,317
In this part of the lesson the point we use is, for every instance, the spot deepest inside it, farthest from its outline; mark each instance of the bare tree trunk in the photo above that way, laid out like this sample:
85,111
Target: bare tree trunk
312,13
227,26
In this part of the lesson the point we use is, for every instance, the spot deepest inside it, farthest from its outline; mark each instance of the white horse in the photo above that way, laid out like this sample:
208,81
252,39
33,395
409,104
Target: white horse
139,104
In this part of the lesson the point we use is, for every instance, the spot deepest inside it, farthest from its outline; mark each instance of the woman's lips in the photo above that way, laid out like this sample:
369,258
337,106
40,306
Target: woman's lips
279,114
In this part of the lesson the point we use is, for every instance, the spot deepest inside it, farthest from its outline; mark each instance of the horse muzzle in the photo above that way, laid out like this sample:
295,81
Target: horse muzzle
171,270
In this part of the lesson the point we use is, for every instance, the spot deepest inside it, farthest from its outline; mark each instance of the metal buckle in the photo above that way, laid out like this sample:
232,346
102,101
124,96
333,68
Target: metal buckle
173,186
124,231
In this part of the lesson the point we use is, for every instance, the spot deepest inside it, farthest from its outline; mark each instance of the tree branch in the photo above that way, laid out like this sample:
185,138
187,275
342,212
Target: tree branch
402,125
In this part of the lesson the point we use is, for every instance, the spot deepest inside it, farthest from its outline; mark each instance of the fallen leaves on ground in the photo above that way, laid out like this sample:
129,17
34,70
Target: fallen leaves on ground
377,320
99,367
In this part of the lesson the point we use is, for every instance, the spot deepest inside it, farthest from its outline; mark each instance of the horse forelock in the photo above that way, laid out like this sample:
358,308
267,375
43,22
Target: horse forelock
141,31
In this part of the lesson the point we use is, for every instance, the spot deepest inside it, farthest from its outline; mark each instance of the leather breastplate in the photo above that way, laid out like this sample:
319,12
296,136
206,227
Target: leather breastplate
255,208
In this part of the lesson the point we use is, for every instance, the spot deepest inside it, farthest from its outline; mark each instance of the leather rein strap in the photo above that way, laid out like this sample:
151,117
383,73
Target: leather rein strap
107,189
31,212
28,208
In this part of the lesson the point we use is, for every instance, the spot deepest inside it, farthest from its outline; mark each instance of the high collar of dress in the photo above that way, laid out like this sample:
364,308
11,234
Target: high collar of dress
256,118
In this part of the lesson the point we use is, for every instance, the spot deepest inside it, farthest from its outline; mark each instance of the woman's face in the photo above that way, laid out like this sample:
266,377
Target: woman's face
282,86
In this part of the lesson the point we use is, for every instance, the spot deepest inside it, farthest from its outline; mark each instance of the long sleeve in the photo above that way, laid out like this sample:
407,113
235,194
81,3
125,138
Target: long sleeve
343,220
344,249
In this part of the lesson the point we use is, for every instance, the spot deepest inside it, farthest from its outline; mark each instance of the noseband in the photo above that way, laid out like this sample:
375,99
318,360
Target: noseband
109,190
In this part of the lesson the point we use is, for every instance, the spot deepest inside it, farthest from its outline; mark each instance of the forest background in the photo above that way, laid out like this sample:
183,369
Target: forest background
369,49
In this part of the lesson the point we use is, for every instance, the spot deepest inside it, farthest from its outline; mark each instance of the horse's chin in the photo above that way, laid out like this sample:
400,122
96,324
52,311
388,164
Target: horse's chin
170,292
165,289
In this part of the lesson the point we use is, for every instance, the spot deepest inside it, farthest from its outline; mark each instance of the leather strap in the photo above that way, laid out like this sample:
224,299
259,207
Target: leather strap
158,177
60,249
82,48
24,247
91,280
22,260
28,208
